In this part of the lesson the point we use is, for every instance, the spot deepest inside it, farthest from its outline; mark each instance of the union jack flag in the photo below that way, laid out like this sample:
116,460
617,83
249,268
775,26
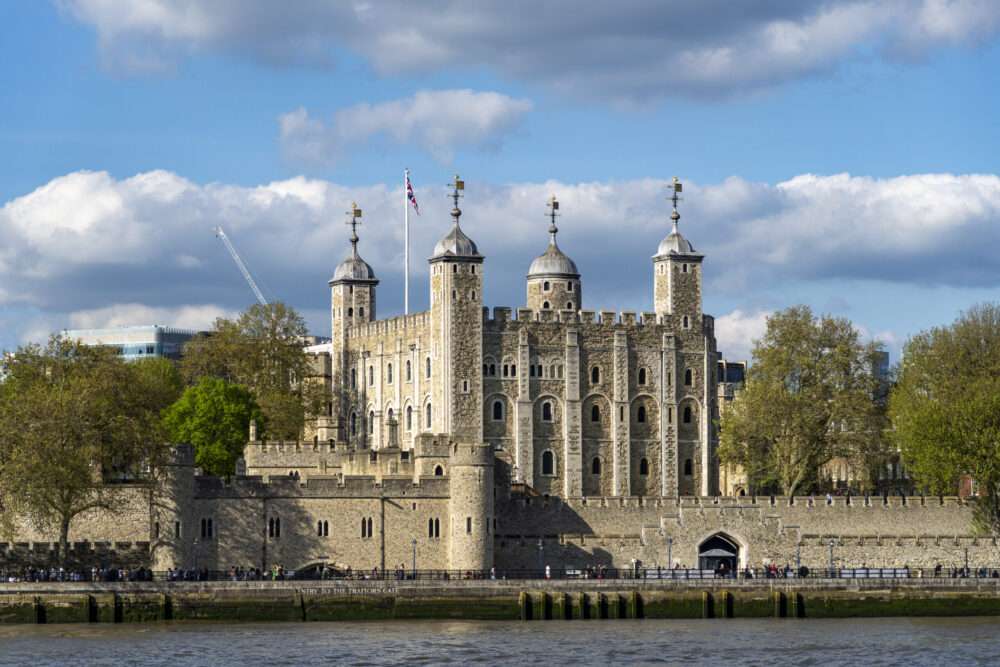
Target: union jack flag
409,194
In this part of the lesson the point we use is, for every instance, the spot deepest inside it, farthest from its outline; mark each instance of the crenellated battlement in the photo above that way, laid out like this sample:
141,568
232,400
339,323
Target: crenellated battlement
415,322
319,486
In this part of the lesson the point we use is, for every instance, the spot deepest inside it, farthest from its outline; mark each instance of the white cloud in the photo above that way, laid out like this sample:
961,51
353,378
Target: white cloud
198,317
625,52
86,240
439,121
737,331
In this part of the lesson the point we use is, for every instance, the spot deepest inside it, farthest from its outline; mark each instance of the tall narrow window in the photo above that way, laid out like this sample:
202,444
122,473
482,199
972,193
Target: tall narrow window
428,410
595,466
370,533
361,311
177,530
371,376
640,415
270,527
642,376
595,414
595,375
548,463
326,529
687,414
513,370
687,322
277,527
364,528
546,286
354,378
409,417
497,410
319,528
468,525
371,423
643,467
409,372
430,528
546,411
688,377
688,467
354,423
428,367
437,527
388,373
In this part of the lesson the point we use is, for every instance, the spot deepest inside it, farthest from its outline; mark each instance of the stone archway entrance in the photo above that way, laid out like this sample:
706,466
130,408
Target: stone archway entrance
719,550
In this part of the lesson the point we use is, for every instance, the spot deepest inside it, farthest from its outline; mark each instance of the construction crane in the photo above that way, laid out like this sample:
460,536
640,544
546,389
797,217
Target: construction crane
242,267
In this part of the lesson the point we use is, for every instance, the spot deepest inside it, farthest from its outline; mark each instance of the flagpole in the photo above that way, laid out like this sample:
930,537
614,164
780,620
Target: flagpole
406,245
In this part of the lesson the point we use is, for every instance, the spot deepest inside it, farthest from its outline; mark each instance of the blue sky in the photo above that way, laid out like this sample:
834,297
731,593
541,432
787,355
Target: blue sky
839,154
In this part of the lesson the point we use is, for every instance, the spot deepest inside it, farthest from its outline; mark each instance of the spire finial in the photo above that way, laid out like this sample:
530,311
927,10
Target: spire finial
677,187
457,187
354,221
553,206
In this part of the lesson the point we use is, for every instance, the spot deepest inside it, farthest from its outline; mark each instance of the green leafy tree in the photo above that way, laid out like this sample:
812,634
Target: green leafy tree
213,416
809,397
945,408
75,422
261,350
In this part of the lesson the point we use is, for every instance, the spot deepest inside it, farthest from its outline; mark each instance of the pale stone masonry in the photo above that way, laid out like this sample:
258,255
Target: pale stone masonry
466,438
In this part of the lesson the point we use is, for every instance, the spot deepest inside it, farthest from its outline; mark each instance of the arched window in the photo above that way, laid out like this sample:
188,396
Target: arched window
319,528
371,376
428,415
370,532
270,527
506,370
354,423
498,410
437,527
595,466
687,414
548,463
569,287
350,312
388,373
354,378
595,413
595,375
688,467
430,528
486,369
326,529
640,414
513,370
546,411
569,305
364,527
390,415
409,372
409,417
688,377
643,466
371,423
277,527
428,370
438,471
546,286
642,376
493,370
545,305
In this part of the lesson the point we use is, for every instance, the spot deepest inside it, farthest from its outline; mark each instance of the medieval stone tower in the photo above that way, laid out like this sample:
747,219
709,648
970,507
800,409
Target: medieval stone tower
456,321
471,507
352,302
553,279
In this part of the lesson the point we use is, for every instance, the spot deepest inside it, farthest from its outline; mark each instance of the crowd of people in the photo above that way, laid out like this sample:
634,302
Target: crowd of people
98,574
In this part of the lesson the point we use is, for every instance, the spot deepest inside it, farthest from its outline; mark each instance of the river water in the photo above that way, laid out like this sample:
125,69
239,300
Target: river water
910,642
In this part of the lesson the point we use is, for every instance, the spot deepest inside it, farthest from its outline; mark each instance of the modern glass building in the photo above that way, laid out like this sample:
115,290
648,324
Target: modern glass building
138,342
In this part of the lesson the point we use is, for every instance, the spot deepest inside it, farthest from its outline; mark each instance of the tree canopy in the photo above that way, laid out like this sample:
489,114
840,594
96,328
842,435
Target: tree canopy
74,422
213,416
262,351
945,408
810,396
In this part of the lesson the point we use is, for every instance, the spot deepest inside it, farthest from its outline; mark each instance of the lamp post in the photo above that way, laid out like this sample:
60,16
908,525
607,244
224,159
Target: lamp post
414,570
670,553
831,558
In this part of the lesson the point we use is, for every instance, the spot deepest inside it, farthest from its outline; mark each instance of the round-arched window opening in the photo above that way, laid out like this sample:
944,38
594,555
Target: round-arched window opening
438,471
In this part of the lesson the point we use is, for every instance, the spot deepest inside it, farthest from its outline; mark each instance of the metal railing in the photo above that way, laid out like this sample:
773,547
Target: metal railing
108,575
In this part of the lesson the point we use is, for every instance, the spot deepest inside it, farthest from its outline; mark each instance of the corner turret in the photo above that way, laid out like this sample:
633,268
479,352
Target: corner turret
553,279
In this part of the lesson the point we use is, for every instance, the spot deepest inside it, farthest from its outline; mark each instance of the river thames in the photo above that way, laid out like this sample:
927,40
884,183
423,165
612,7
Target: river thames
895,641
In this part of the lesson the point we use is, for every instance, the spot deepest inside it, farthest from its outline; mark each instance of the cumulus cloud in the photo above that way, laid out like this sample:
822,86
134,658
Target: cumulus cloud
737,331
628,51
198,317
439,121
86,240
